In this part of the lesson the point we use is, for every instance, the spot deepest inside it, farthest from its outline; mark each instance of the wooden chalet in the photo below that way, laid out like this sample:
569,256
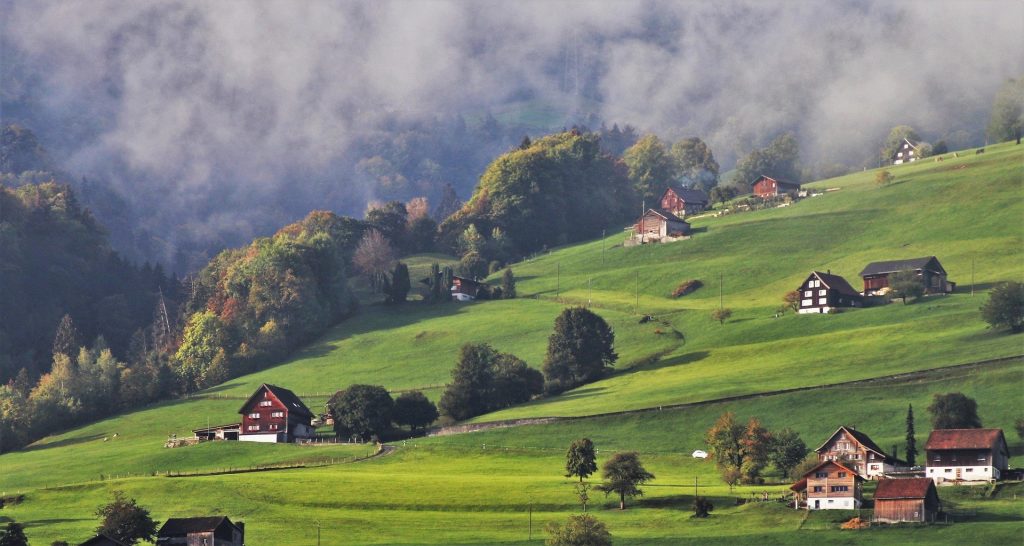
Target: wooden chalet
102,540
906,500
657,225
209,531
928,269
965,455
767,187
684,201
829,486
465,289
275,414
907,152
856,450
823,292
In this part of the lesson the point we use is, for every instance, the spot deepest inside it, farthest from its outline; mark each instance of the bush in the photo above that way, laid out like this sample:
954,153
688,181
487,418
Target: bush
1005,307
686,287
581,530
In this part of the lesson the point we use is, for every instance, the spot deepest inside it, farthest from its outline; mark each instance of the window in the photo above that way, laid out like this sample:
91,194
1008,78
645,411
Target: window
822,301
277,414
265,403
821,474
254,415
273,427
874,467
842,474
822,292
871,456
808,294
982,457
253,427
969,470
937,457
840,488
948,470
911,152
899,154
807,303
819,489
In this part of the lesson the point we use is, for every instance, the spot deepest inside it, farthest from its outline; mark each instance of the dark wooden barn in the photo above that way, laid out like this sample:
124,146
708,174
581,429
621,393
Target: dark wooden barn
965,455
823,292
102,540
684,201
906,500
208,531
767,187
928,270
658,225
275,414
907,152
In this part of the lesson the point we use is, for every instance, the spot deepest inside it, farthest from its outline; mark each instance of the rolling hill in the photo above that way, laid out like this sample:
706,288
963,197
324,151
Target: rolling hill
479,488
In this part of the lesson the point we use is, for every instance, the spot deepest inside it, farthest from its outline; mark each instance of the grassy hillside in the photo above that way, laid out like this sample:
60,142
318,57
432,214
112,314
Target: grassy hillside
477,488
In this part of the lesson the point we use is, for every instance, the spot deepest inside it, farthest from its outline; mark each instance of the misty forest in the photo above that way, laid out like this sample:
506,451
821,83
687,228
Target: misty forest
440,243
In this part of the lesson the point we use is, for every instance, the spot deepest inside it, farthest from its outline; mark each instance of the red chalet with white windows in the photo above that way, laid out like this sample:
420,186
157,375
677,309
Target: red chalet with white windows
275,414
767,187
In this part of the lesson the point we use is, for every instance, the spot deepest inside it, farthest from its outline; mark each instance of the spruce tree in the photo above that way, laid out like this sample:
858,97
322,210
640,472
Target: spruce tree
911,442
66,340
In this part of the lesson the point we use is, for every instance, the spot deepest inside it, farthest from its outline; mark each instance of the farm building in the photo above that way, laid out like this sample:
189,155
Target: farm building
684,201
767,187
464,289
658,225
829,486
211,531
218,432
928,269
823,292
275,414
859,452
907,152
906,500
102,540
960,455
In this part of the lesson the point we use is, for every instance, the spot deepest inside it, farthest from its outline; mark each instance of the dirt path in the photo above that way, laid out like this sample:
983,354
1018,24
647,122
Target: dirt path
907,376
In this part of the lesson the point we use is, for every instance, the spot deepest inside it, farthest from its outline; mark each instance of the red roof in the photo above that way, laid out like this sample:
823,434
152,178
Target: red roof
965,438
903,488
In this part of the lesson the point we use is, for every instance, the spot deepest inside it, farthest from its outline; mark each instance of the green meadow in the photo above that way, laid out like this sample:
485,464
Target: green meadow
482,487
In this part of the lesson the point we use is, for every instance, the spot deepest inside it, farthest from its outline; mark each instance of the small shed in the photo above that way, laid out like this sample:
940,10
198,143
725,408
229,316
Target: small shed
658,225
906,500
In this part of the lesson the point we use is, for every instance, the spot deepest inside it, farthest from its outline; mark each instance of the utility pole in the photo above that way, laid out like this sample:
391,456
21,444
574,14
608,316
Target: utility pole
695,488
602,246
531,521
317,532
972,276
590,288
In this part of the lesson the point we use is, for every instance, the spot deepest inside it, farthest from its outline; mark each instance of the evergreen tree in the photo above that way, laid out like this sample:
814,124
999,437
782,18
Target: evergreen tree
399,285
13,535
911,449
67,339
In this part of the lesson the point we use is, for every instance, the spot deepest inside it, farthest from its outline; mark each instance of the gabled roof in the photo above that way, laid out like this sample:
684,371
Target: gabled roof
287,397
689,195
666,215
802,483
904,488
184,526
778,181
966,438
864,440
835,282
102,540
929,263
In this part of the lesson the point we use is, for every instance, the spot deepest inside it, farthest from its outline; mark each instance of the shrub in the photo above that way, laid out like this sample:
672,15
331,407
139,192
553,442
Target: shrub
686,287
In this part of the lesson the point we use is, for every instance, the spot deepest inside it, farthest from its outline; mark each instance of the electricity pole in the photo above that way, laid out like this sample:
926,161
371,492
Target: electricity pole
558,278
972,276
721,297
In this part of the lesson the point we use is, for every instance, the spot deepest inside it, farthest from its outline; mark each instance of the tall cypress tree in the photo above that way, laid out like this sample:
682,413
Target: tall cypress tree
911,442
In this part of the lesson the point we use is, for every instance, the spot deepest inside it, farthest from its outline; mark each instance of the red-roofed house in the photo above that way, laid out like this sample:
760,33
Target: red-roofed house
829,486
906,499
766,187
959,455
856,450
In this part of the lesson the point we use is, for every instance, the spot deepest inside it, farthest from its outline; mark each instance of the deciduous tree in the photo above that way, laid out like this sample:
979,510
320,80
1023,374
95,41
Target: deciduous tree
1007,120
787,450
579,530
361,410
721,315
905,284
414,409
126,521
1005,307
895,140
580,459
623,475
580,349
651,166
954,410
695,163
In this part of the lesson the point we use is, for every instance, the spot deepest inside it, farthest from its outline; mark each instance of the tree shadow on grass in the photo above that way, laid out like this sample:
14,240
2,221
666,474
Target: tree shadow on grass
687,358
45,522
65,442
581,393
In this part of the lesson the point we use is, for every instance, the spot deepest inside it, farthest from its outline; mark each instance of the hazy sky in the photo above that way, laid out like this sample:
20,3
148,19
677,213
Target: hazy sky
182,97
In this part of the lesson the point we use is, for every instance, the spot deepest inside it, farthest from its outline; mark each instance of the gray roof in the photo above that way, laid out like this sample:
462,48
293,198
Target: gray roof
184,526
779,181
837,283
692,196
928,263
667,215
287,397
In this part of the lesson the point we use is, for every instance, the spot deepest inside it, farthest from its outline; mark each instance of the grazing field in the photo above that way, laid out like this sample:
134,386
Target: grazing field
479,488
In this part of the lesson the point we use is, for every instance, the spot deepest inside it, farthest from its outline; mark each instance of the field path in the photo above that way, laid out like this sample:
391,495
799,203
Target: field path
907,376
